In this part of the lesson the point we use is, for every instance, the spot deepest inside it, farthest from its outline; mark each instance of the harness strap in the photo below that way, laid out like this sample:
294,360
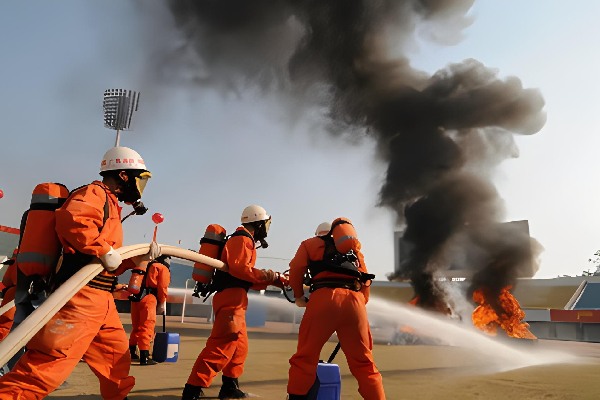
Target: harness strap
106,205
103,282
72,262
241,232
336,283
219,243
224,280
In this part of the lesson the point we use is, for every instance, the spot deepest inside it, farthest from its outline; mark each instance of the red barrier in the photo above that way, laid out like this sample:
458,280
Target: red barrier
582,316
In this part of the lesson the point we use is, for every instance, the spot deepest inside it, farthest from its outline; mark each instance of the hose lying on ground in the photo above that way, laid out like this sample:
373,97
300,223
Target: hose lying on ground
32,324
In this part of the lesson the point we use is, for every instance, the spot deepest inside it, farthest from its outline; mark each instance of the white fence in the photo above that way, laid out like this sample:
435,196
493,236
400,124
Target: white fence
262,309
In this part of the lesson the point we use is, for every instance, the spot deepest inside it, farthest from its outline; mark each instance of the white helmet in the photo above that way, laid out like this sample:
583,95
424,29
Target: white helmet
120,158
323,229
254,214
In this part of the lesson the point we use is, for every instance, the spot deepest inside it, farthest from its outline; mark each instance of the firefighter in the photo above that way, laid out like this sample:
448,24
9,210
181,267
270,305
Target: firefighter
88,325
9,281
227,347
337,304
38,253
144,308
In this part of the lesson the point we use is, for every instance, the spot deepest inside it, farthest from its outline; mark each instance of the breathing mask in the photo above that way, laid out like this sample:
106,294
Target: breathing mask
133,188
261,233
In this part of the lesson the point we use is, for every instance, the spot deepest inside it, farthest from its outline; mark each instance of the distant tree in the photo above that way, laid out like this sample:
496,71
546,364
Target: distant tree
595,260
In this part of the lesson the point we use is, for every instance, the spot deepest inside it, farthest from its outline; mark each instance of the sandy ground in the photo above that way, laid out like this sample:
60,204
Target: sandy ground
409,372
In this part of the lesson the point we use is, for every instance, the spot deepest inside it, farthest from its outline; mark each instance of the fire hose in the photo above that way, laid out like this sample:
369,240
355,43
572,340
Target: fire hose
32,324
7,307
286,289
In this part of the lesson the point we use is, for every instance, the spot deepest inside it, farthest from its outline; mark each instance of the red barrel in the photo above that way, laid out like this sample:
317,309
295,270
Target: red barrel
137,278
344,236
211,245
40,247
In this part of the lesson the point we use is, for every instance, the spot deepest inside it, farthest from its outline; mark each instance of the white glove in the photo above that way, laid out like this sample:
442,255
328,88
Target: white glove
111,260
154,252
301,301
162,308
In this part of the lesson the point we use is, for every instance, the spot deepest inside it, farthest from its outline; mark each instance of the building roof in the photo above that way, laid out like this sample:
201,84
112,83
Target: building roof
589,298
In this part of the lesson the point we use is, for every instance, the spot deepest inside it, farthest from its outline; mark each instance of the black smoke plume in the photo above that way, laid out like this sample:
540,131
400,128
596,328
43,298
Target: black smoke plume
441,135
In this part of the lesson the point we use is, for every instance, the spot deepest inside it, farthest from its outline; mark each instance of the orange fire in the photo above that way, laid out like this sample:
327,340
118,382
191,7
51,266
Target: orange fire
405,328
440,306
408,329
486,318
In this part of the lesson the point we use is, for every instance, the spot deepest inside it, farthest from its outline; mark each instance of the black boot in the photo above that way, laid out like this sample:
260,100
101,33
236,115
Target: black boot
231,389
145,358
134,355
191,392
297,397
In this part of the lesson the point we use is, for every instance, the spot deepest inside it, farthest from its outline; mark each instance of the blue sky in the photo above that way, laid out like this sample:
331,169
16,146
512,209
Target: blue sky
212,154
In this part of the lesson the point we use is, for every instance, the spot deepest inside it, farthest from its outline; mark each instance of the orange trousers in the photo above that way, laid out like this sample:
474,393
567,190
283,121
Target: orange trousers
143,322
342,311
227,347
6,319
87,327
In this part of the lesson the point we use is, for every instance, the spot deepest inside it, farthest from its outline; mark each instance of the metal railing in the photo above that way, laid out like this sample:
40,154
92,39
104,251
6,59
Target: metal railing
210,318
295,311
184,299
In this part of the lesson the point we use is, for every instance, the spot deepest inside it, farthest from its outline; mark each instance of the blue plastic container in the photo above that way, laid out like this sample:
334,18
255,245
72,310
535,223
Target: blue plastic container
166,346
330,381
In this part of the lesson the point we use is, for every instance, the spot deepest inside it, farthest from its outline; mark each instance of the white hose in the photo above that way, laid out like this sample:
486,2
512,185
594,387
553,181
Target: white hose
34,322
7,307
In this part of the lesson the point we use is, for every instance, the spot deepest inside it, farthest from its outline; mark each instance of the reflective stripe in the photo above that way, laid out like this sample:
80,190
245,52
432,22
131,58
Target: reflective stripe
36,258
215,236
44,198
340,240
203,272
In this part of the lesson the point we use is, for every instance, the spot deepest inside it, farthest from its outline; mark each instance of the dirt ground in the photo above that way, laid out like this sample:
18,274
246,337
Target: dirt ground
409,372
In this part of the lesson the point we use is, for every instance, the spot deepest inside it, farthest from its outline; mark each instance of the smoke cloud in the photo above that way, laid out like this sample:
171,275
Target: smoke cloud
440,136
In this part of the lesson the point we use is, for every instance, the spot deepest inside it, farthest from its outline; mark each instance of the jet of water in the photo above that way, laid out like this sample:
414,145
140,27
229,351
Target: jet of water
499,356
502,356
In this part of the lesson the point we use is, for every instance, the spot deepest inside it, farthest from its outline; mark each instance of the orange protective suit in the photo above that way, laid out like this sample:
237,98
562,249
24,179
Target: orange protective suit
9,281
328,311
143,313
88,325
227,347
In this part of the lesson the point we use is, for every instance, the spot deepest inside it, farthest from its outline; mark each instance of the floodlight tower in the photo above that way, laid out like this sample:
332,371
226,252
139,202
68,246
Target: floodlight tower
119,105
